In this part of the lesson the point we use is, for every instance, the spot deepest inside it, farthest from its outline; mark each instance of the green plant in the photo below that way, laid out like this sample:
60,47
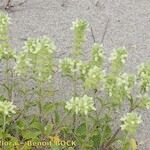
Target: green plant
88,117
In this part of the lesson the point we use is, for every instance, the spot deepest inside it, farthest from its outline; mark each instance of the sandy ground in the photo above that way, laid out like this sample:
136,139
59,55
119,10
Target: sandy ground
115,23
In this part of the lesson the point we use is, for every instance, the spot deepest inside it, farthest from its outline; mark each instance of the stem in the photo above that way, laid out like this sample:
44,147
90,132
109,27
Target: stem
94,96
40,102
74,122
74,94
102,137
74,86
40,109
86,128
4,122
112,139
7,78
86,138
7,85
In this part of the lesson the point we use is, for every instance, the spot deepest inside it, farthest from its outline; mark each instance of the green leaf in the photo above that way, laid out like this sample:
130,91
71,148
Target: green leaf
57,117
96,138
21,124
48,129
81,130
48,108
36,125
30,134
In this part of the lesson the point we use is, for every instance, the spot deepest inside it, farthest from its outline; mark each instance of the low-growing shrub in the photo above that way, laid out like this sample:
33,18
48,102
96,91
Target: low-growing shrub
29,114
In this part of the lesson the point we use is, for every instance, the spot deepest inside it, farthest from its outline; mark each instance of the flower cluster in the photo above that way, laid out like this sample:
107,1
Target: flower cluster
42,45
82,105
118,58
145,101
7,108
4,21
6,53
69,67
36,59
97,55
144,76
84,68
79,27
93,77
119,87
1,51
125,82
130,122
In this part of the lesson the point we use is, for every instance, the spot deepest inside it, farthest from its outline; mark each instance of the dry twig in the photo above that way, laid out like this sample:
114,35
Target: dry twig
105,31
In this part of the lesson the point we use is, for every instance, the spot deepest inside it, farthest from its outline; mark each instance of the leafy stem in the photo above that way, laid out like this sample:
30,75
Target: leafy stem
112,139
